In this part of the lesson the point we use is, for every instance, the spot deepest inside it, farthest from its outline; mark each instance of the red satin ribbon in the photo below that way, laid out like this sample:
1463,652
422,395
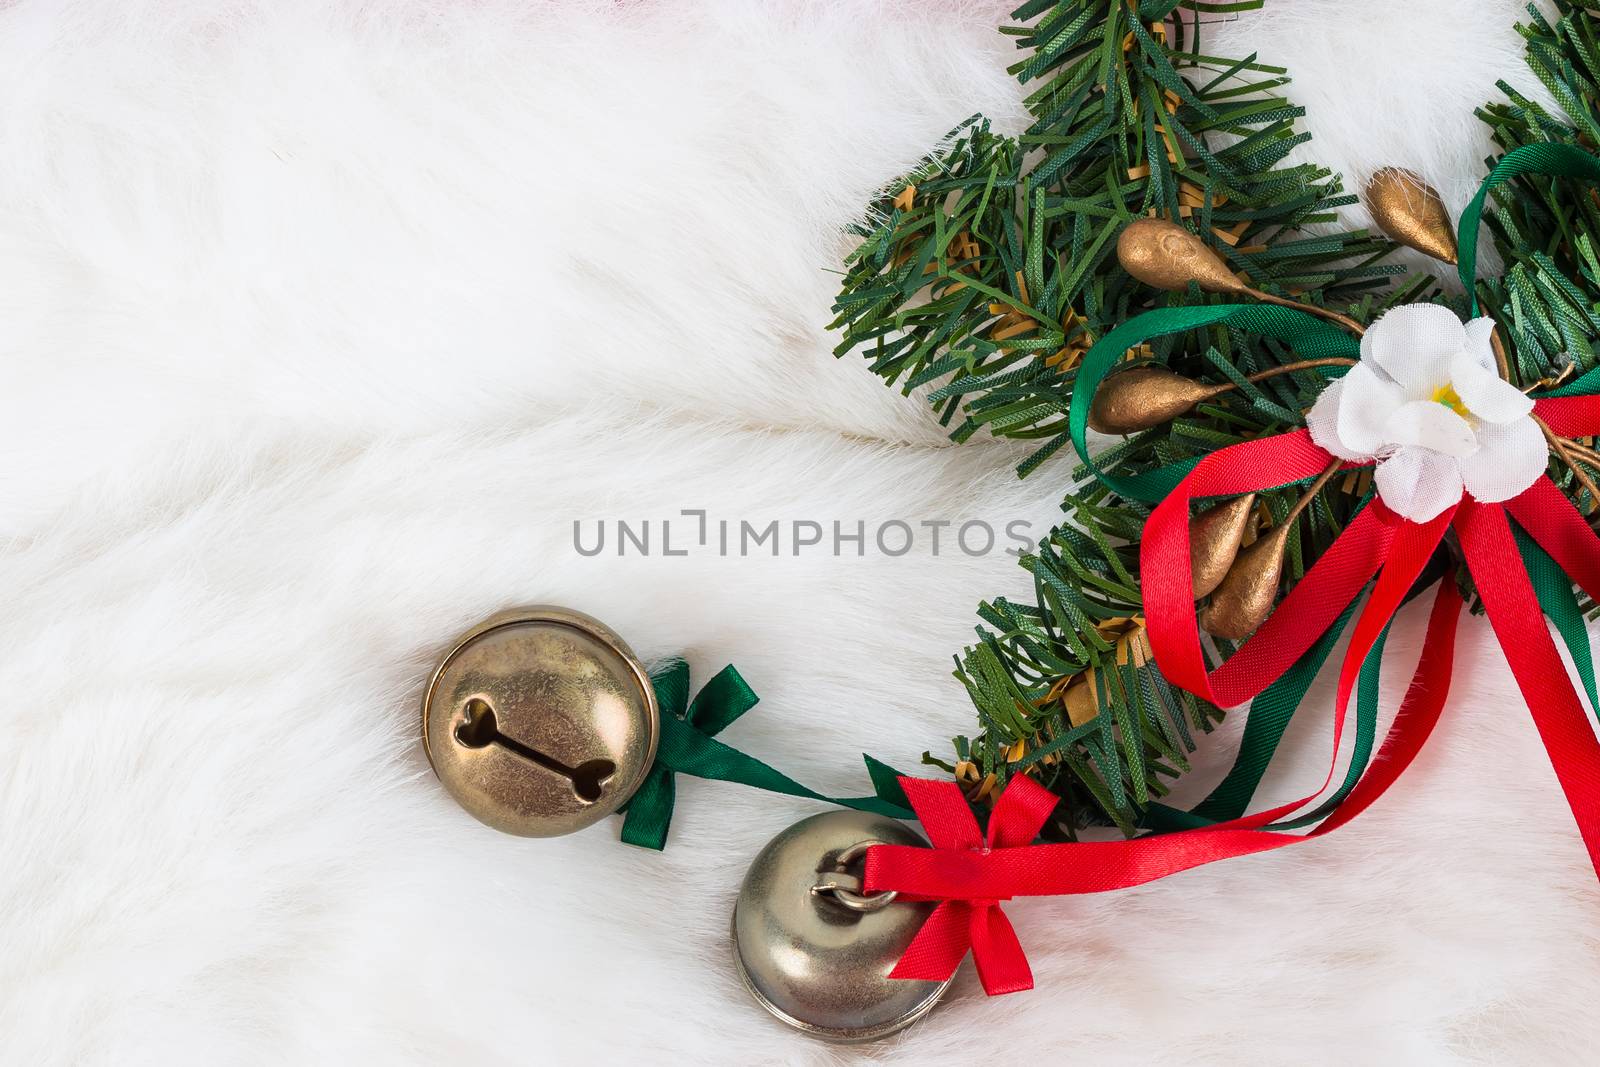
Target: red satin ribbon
1376,541
1100,866
1513,611
975,923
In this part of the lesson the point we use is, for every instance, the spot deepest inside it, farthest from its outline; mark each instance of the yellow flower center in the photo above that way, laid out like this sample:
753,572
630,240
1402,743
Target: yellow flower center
1446,395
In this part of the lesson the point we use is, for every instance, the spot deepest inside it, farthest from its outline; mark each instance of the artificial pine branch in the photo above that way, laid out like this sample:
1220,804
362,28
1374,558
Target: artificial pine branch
988,273
1547,230
992,270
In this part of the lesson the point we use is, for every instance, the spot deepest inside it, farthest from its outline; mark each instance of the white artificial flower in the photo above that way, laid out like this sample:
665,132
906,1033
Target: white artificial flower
1426,403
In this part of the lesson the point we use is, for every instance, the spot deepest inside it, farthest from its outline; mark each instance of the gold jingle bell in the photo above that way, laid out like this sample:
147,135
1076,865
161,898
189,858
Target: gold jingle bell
812,948
540,721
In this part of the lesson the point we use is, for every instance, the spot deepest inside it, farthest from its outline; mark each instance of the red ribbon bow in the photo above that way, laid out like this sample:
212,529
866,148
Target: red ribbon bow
972,921
1377,542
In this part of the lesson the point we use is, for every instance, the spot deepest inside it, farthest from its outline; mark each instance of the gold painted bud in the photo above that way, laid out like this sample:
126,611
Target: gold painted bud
1137,399
1245,598
1161,253
1410,213
1214,538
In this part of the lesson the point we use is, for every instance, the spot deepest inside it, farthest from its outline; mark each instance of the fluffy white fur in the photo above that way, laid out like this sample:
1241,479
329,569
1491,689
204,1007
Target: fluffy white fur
323,322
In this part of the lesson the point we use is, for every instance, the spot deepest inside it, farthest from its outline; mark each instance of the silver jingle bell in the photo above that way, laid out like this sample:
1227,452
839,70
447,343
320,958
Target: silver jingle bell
812,948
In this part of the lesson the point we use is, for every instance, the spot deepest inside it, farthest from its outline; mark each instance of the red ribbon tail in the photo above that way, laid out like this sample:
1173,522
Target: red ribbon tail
1099,866
1518,622
1418,714
1552,519
940,946
1002,965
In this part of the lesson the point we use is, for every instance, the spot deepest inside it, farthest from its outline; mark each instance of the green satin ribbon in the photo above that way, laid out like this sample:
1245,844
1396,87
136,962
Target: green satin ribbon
1556,160
1553,589
687,746
1550,584
1264,727
1271,711
1587,384
1311,338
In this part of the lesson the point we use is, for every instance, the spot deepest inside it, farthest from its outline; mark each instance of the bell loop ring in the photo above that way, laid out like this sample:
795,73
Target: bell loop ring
843,887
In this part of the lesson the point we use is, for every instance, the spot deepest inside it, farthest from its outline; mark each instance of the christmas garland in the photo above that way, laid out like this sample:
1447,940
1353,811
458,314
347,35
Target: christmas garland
993,270
1302,437
1075,278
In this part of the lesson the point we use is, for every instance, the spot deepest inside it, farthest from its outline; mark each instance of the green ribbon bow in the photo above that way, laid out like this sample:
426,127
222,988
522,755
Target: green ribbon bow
724,699
687,746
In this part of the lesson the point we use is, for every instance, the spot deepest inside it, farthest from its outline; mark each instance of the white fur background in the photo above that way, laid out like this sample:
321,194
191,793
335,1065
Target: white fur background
322,322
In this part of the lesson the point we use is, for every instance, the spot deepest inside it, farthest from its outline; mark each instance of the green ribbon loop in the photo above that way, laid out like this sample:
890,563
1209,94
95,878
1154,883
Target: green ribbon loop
687,746
1587,384
1551,585
1264,727
1555,160
1279,702
1311,338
